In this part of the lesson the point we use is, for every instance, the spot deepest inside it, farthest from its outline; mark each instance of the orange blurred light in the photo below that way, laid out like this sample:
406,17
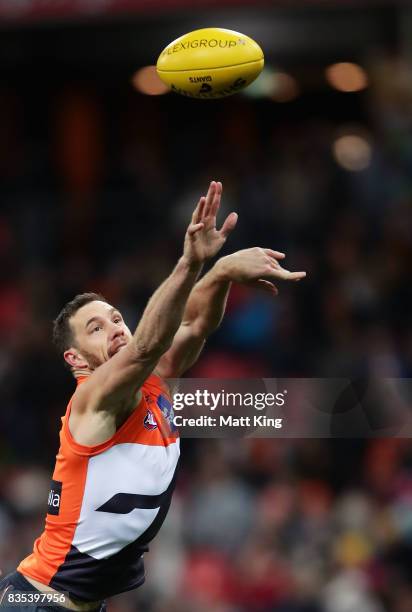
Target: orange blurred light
285,87
147,81
347,77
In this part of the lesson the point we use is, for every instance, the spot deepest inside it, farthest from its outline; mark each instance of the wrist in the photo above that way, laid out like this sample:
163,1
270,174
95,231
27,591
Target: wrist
189,266
221,270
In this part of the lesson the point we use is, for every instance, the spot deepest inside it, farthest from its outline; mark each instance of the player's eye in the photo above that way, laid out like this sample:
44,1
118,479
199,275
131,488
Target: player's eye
117,320
97,328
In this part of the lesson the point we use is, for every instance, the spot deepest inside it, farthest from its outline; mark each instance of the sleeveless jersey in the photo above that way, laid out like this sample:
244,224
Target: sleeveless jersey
107,502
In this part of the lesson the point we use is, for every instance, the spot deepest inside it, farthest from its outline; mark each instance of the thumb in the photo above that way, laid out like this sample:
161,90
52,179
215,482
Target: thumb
229,224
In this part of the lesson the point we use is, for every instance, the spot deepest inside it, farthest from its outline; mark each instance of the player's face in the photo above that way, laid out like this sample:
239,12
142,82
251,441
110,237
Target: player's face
99,332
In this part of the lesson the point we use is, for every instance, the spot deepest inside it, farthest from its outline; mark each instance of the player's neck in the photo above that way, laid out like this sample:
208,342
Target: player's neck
81,373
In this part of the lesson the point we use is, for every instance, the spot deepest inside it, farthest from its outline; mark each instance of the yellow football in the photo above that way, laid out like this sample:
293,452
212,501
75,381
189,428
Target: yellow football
210,63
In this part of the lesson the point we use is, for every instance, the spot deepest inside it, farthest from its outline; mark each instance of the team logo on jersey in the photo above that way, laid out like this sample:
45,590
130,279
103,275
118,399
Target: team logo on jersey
149,421
167,410
55,495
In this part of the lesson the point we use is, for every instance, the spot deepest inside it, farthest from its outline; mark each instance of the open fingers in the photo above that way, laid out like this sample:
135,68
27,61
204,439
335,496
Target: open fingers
197,213
265,285
287,275
209,198
229,224
216,199
201,211
194,228
282,273
275,254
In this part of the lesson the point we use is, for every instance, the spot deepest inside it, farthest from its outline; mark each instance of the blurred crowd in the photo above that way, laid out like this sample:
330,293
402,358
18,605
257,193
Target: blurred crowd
97,185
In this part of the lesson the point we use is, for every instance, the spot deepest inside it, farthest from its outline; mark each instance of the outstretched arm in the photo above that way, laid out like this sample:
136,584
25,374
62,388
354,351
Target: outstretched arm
117,378
203,313
206,305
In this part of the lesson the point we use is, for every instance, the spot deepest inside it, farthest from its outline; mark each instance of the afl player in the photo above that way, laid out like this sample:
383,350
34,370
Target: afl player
115,468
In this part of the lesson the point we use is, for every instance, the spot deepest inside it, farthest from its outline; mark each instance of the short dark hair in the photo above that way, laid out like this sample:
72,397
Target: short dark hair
63,336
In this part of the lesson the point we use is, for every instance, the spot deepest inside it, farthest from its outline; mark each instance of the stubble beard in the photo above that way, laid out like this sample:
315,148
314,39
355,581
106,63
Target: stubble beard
93,361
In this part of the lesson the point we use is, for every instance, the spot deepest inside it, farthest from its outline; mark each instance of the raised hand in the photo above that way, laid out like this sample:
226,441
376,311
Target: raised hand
202,239
256,267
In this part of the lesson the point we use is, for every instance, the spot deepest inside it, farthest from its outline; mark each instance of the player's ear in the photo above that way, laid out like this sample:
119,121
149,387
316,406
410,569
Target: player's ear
74,358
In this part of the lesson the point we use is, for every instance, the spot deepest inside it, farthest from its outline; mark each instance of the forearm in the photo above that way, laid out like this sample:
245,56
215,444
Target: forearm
164,311
207,301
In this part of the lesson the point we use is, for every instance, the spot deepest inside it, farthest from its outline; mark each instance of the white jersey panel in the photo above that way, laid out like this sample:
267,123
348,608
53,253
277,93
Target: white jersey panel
128,468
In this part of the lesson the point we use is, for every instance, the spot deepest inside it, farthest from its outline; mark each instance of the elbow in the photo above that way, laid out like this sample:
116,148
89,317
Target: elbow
202,329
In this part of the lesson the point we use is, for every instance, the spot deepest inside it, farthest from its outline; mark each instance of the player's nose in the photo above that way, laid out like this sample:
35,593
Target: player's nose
116,331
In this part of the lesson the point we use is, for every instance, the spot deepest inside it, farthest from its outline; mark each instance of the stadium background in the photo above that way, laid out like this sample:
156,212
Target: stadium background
96,184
